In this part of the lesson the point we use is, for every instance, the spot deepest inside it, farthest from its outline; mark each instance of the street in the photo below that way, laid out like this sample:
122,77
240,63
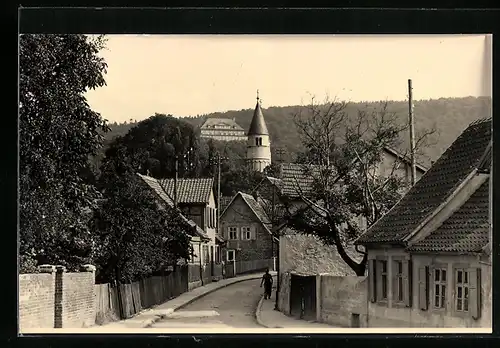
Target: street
232,306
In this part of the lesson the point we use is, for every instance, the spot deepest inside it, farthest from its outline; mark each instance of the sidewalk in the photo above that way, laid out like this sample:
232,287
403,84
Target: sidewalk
148,317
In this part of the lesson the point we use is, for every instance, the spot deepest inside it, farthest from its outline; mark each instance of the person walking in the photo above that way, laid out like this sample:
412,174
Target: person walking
267,280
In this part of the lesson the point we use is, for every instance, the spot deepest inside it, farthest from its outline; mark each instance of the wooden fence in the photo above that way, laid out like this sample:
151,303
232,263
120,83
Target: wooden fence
243,267
125,300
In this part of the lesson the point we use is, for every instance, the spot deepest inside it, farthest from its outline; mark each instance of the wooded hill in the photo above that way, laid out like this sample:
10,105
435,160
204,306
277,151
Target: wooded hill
450,116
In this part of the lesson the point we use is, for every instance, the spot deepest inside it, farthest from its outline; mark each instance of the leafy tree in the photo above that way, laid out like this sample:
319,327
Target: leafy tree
58,133
137,233
155,142
347,153
136,236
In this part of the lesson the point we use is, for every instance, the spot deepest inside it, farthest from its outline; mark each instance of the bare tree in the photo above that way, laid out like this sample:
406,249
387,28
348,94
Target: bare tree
353,184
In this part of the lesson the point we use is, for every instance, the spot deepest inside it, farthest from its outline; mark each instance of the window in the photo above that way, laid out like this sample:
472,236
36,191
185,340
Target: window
398,276
230,255
462,290
206,255
257,141
383,279
439,288
246,233
232,234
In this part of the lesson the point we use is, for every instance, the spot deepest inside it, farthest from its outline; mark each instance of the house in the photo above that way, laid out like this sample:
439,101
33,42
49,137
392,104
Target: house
247,230
196,201
222,129
429,257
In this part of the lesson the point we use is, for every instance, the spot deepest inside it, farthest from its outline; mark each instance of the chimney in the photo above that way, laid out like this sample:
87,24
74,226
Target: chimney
255,194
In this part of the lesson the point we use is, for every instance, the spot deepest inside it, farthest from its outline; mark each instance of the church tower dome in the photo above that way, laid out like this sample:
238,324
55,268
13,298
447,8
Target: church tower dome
258,143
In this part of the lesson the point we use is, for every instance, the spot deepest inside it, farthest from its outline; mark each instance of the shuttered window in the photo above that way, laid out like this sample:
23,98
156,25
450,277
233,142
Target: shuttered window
440,286
246,233
401,282
397,281
466,291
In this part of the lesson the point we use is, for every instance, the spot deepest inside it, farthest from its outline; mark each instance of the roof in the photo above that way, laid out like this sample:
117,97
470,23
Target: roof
255,206
154,184
466,230
220,122
435,186
189,191
258,125
297,179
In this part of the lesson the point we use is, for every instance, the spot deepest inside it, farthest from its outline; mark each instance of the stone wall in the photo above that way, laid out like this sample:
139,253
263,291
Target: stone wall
304,254
56,299
284,293
343,301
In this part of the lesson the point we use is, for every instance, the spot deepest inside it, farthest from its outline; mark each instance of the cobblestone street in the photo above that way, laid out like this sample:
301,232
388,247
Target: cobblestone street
232,306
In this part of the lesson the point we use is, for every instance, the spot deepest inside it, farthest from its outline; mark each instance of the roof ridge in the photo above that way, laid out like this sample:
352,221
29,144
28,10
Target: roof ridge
481,120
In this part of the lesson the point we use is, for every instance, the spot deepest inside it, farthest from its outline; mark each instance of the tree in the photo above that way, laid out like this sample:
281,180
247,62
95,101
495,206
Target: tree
155,142
58,133
344,154
137,234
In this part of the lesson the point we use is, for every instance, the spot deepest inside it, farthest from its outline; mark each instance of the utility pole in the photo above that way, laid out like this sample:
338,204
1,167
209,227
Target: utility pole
412,134
175,179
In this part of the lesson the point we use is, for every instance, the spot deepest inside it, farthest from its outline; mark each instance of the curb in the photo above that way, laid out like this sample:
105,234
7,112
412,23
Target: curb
258,310
148,323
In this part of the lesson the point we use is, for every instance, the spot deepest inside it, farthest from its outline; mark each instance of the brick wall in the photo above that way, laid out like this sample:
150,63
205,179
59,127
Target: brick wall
56,299
78,300
36,300
341,299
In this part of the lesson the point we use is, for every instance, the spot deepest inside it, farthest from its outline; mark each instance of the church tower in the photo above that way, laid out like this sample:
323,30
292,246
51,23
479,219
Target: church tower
258,143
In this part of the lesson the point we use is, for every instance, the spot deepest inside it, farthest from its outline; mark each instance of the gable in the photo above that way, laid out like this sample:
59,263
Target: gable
244,208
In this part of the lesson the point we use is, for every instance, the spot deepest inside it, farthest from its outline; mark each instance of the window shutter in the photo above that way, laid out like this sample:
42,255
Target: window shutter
371,279
378,280
407,293
394,280
253,233
422,288
474,292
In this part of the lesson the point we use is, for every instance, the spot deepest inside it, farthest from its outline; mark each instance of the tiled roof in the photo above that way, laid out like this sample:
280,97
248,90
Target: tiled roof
217,122
194,191
435,186
258,125
153,184
297,179
466,230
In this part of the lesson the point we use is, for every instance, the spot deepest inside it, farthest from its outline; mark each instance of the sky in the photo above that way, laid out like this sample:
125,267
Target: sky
187,75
